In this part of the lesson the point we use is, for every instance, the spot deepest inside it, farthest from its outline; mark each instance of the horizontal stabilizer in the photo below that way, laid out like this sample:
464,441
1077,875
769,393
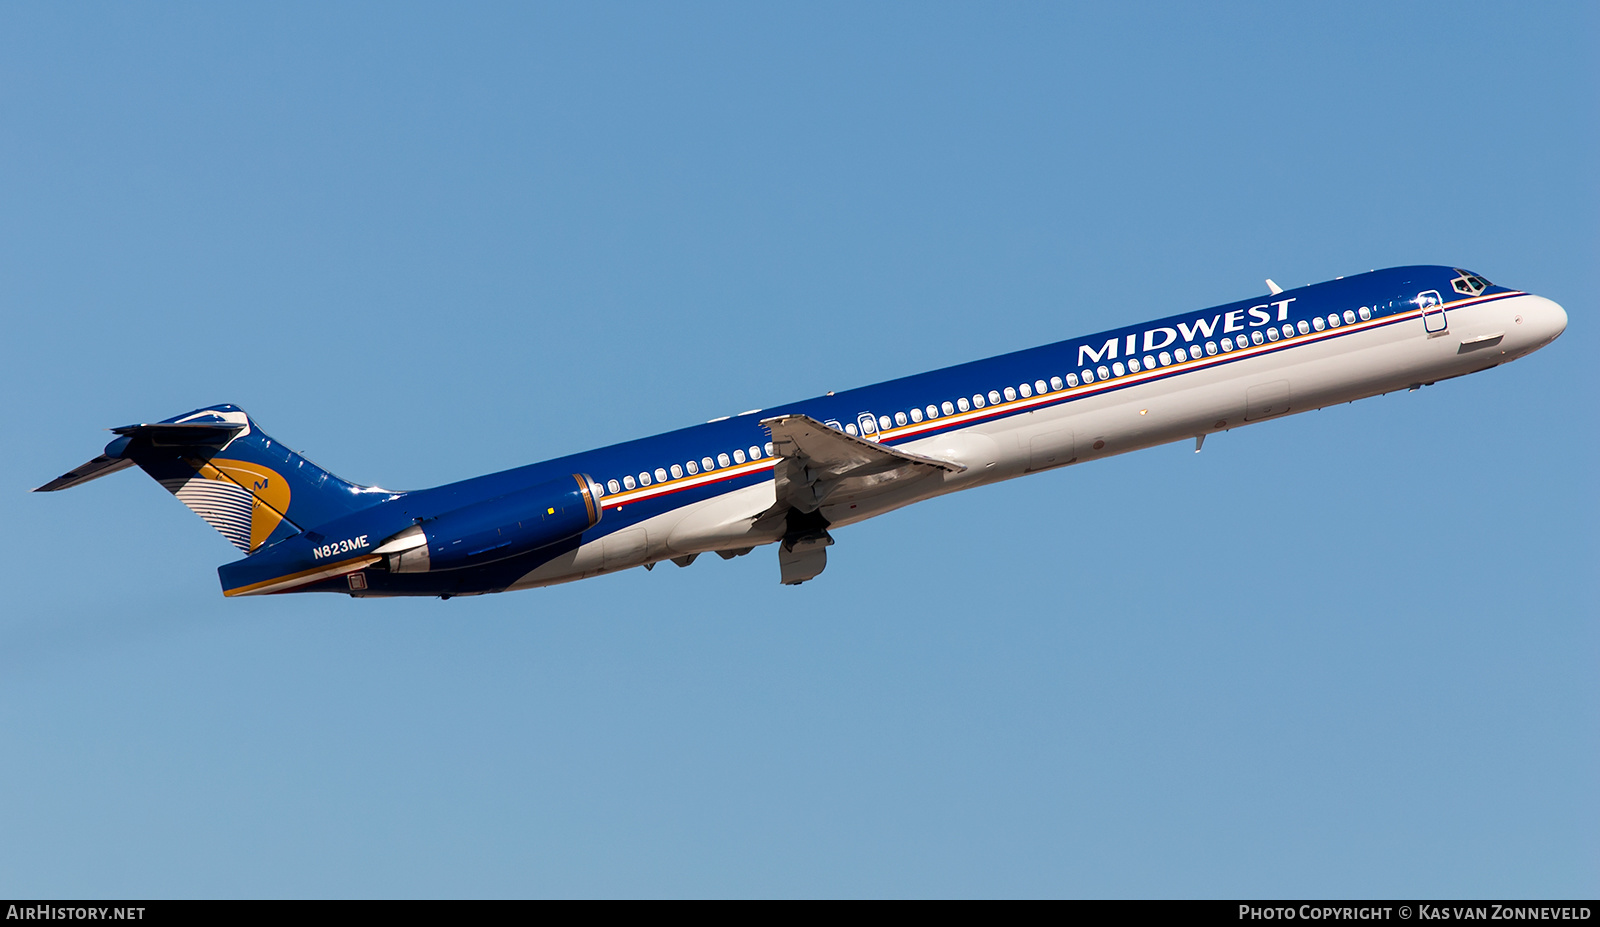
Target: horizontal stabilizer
168,434
93,470
251,488
183,434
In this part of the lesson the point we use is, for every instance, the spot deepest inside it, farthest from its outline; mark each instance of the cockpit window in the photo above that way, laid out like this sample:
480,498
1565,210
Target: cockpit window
1468,284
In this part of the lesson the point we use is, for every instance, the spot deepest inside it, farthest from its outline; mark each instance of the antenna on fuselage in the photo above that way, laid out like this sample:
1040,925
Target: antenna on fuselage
1273,287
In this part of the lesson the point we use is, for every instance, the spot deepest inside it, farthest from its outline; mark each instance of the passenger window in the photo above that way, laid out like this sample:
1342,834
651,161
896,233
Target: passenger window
1149,362
1055,383
677,471
1117,369
628,482
738,456
1334,320
994,397
661,475
1072,379
1227,344
950,409
849,428
693,468
962,404
644,479
916,415
883,422
1011,395
1181,355
977,400
1272,334
1133,365
1303,327
755,453
868,426
1318,324
706,464
1102,373
1088,375
1165,358
1026,390
1040,388
1349,317
1365,313
722,460
1256,336
768,448
899,418
613,487
1211,347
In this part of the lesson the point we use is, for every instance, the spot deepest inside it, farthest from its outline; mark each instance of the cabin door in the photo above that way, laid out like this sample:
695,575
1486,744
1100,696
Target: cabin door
868,424
1433,320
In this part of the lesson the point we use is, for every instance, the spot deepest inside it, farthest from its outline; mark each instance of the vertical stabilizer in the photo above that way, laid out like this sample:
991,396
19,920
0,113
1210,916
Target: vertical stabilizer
239,479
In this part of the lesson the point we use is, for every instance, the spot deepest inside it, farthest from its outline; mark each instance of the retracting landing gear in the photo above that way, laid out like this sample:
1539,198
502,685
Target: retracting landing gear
803,552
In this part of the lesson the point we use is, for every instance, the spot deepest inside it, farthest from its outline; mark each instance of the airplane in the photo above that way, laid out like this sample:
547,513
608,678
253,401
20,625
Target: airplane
792,476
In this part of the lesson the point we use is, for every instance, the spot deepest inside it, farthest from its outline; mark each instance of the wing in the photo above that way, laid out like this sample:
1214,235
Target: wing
822,465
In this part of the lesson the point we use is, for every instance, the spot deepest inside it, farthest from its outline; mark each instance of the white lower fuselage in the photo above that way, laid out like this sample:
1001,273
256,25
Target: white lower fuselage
1159,407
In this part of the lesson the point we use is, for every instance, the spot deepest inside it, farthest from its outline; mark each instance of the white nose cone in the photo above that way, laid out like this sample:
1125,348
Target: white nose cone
1548,319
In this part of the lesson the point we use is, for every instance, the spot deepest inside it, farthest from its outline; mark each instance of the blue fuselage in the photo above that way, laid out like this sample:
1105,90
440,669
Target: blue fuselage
1175,378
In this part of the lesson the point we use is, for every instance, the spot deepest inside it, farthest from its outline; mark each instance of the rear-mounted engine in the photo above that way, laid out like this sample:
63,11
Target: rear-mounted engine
496,529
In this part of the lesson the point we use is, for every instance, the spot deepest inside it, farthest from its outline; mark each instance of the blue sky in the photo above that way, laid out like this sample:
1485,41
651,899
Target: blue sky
1349,653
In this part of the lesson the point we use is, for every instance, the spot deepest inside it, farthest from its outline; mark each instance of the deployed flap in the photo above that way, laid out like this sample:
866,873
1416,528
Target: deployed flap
819,463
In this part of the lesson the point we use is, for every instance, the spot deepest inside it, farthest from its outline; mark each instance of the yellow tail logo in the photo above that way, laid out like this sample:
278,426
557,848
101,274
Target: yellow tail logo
245,502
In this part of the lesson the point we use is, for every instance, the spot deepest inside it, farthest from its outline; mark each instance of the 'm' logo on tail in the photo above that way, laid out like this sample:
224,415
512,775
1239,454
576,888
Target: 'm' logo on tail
217,493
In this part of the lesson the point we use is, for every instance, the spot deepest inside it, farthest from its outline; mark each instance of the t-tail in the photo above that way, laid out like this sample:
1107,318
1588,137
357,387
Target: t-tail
218,462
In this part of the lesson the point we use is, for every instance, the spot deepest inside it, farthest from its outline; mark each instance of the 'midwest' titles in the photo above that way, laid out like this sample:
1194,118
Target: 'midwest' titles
1157,338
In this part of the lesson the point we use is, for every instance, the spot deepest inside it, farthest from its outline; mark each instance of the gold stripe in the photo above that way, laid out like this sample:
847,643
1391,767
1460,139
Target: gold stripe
588,501
629,496
329,570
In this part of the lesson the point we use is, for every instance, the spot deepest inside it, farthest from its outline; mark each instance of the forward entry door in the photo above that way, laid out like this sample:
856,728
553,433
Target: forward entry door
1433,320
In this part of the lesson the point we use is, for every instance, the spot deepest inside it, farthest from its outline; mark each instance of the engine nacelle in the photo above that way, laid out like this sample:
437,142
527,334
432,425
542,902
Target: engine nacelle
495,529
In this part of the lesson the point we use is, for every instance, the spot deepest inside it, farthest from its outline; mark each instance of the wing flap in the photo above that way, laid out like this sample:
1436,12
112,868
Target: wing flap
832,452
820,464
